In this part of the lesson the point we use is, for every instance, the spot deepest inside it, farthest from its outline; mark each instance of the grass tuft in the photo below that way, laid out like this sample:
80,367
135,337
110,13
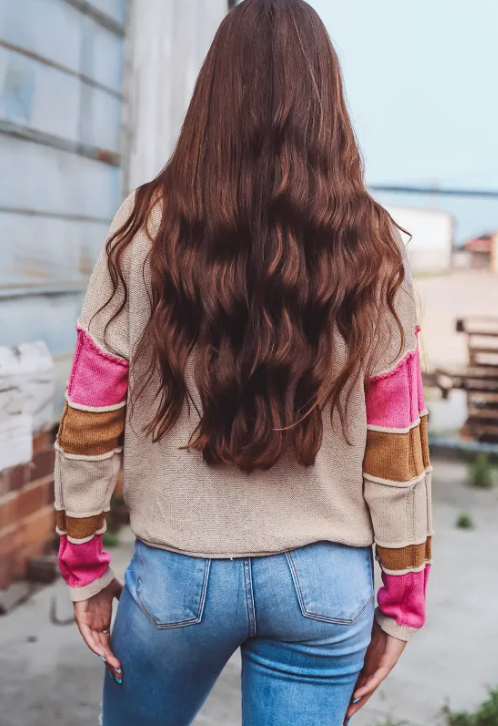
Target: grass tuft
480,472
486,714
110,539
464,521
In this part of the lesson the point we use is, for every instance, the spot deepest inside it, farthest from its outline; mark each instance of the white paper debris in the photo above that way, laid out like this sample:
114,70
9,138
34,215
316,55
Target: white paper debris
26,399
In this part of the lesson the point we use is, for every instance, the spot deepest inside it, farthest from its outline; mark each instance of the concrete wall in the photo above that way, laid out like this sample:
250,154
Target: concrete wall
167,43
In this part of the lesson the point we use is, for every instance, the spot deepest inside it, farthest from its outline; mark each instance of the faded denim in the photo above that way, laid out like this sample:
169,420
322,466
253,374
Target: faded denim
302,619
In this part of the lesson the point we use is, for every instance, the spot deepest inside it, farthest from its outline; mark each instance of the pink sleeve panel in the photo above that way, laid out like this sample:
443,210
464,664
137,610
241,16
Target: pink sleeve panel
82,564
98,379
395,399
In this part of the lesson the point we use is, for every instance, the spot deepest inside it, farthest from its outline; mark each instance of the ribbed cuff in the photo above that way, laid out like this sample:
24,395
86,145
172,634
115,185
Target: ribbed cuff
77,594
391,627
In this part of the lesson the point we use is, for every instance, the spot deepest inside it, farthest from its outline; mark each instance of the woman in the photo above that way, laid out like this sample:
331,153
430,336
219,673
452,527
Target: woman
249,339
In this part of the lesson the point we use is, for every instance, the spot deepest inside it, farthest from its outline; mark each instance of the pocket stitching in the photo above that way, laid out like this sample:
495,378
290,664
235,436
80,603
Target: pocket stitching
179,623
317,616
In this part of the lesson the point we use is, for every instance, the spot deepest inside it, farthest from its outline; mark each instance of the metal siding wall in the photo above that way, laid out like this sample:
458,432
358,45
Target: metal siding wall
61,68
167,43
114,8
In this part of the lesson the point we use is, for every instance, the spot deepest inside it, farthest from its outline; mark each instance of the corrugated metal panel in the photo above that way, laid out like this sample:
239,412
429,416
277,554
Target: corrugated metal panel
50,28
27,85
38,177
99,43
114,8
47,251
61,68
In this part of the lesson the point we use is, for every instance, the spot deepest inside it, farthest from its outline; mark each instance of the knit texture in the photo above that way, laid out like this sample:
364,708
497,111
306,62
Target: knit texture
374,488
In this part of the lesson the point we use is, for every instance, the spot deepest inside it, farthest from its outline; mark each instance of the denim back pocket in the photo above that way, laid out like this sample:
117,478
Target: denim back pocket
170,588
333,582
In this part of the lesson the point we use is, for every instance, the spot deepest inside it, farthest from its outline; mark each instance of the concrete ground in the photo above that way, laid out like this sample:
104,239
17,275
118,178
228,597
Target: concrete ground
49,678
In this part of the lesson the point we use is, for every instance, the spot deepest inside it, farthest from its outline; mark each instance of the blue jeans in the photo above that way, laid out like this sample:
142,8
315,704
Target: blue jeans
303,621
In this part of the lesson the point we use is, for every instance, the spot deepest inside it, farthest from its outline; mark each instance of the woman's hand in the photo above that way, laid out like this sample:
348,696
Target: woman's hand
93,618
382,655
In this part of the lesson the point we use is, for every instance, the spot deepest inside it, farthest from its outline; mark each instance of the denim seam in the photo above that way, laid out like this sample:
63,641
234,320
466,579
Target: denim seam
245,597
251,593
178,623
249,598
317,616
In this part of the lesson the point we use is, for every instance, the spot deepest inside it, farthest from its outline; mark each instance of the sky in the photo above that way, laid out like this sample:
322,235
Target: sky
421,82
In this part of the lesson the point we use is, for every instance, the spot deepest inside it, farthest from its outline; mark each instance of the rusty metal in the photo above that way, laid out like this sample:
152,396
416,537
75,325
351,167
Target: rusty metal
479,379
55,142
102,18
60,67
27,290
54,215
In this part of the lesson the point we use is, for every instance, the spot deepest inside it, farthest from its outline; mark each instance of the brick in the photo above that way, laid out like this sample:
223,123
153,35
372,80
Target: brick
14,478
36,529
17,505
42,464
8,510
34,497
7,542
43,442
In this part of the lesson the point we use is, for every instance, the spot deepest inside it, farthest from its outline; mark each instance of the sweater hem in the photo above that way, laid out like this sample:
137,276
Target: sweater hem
241,555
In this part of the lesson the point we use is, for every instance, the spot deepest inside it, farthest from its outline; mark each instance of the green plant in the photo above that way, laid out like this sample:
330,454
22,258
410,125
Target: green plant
480,472
110,539
464,521
486,714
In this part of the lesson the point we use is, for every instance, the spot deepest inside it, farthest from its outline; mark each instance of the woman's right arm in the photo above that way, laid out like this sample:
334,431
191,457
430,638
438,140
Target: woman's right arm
397,481
397,489
397,468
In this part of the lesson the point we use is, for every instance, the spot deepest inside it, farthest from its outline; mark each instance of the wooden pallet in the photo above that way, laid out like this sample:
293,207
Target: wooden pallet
479,379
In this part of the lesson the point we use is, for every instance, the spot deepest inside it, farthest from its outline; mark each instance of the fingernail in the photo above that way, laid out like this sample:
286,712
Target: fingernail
102,658
119,680
356,700
110,675
118,670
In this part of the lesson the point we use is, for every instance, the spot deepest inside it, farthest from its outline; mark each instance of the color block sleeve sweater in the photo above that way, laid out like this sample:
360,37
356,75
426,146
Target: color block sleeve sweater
371,489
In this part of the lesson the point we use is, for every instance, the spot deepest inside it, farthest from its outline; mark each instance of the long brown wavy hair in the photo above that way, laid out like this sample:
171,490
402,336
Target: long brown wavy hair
270,248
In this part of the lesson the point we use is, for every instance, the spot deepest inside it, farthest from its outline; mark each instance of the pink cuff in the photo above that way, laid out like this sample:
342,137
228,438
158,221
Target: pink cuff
402,597
82,564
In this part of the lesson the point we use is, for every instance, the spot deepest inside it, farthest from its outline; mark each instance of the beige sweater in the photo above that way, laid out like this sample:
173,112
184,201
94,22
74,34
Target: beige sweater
376,488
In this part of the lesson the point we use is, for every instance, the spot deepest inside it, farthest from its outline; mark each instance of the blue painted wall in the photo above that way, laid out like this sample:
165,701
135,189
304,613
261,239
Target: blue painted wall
61,80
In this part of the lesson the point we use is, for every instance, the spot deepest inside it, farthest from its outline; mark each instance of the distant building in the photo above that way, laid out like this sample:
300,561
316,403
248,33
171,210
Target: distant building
481,251
430,246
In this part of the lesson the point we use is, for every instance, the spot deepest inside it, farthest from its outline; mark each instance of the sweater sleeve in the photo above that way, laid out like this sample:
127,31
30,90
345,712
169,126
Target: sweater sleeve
90,437
397,472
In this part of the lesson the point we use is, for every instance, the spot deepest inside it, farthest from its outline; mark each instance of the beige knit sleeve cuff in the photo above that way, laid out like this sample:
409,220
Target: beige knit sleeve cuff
77,594
391,627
